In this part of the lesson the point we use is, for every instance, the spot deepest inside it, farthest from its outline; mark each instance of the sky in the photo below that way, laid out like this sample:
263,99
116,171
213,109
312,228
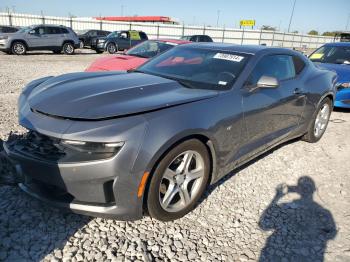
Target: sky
320,15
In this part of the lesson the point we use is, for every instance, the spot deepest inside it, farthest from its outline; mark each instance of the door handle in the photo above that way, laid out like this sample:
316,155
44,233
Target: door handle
297,91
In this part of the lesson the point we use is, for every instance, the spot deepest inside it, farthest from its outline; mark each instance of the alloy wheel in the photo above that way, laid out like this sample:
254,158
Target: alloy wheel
321,120
181,181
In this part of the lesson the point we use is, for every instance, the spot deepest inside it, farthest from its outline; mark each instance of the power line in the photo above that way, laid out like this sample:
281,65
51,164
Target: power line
291,16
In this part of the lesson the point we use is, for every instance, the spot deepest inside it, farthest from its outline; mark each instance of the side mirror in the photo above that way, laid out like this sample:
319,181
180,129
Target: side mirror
267,82
264,82
32,32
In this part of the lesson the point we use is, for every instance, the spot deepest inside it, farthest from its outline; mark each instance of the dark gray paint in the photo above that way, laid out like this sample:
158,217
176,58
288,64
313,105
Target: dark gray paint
238,124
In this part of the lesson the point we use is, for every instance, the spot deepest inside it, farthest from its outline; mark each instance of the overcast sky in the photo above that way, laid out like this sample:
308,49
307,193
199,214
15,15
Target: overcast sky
321,15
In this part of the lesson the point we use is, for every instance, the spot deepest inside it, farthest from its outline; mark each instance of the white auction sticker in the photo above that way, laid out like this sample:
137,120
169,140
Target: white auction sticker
229,57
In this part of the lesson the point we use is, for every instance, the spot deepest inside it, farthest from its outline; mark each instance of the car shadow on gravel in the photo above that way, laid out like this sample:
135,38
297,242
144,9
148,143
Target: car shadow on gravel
301,228
29,229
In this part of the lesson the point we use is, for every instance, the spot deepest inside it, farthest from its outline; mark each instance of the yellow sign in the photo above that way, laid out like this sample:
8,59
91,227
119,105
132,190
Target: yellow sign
247,23
134,35
316,56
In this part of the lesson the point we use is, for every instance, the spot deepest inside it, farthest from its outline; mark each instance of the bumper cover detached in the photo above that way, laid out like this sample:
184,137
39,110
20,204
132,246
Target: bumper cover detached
80,187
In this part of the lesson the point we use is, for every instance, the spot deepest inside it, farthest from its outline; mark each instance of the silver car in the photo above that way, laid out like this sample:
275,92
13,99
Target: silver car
40,37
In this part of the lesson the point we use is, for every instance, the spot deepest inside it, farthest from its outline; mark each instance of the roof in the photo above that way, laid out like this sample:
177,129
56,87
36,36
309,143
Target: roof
136,18
338,44
175,41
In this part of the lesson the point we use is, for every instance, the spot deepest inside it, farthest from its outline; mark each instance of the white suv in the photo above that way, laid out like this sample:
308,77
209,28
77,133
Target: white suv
40,37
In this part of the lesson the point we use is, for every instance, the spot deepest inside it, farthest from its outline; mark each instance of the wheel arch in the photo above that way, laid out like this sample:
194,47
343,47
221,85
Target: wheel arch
19,40
203,138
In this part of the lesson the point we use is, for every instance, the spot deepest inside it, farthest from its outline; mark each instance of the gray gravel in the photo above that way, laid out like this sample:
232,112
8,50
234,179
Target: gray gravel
240,219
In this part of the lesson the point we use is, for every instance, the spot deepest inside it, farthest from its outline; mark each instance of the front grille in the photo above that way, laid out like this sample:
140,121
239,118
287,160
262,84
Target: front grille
34,144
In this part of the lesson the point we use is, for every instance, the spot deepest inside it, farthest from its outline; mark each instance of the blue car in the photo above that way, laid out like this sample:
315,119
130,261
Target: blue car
336,57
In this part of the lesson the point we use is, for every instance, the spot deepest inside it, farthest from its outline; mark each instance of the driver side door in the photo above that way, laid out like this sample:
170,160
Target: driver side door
271,114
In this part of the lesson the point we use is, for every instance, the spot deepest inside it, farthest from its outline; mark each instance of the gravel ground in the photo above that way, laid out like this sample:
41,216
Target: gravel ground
242,218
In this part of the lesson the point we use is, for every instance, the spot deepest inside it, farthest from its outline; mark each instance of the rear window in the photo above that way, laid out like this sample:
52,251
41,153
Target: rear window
64,31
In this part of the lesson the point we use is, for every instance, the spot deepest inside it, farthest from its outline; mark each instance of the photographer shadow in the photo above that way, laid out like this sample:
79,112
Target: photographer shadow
301,228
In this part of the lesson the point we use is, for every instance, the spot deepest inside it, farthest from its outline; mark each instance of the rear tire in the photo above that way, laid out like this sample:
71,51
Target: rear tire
18,48
68,48
319,122
177,184
111,48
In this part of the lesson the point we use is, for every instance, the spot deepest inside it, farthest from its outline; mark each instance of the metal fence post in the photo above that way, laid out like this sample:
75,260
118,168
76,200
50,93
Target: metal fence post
273,38
130,25
183,29
301,41
223,35
260,36
101,24
242,36
204,30
158,31
71,22
42,18
10,18
284,34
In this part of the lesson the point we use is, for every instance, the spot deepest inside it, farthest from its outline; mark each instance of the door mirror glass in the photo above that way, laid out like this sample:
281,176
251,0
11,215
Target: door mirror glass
32,32
267,82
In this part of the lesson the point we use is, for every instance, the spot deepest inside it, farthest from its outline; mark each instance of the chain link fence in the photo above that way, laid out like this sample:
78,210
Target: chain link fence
227,35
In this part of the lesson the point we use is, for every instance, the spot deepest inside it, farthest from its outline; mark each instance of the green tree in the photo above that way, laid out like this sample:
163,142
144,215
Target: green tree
329,33
313,32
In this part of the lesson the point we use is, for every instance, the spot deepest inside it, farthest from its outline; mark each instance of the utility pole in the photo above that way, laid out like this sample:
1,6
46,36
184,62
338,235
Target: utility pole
291,16
217,20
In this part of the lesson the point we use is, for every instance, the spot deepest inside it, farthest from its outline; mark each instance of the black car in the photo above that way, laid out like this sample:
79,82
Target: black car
87,36
8,29
118,41
197,38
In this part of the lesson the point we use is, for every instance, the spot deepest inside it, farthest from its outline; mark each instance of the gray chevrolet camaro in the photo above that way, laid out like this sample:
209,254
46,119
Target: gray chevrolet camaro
122,144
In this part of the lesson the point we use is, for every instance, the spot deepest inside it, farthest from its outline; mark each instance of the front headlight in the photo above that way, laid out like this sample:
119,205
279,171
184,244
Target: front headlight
343,85
78,151
101,41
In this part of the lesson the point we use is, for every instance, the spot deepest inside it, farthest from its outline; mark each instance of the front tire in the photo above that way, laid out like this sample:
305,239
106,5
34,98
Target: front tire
111,48
178,181
18,48
68,48
319,122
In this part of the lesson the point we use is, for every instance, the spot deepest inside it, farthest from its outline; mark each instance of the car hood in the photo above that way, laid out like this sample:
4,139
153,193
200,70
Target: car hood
103,95
116,62
342,70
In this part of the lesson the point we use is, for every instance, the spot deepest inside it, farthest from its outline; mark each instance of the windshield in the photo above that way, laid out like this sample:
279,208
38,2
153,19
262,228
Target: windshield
198,68
81,32
113,34
150,48
25,29
332,55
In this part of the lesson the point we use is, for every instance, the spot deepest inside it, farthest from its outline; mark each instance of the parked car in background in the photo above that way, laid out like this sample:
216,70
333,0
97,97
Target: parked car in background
342,36
197,38
8,29
87,36
40,37
118,41
122,144
135,56
336,57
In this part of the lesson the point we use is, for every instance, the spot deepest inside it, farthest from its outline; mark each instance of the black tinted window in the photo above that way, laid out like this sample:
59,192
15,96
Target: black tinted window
143,36
298,64
278,66
64,31
93,33
40,30
53,30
